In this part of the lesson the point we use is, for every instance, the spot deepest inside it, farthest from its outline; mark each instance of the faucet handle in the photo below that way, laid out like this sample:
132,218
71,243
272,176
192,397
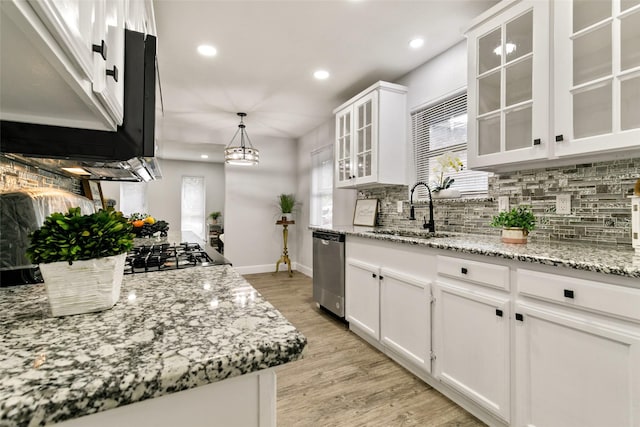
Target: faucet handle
424,224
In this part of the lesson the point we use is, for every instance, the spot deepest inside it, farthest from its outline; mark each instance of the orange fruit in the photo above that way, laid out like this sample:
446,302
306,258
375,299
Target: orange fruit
138,223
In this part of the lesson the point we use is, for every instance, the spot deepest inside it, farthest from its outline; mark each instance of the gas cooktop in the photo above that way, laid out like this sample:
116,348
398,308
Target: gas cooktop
165,256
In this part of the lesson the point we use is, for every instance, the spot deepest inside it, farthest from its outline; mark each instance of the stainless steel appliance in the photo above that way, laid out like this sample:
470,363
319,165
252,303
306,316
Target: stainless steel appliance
328,271
165,256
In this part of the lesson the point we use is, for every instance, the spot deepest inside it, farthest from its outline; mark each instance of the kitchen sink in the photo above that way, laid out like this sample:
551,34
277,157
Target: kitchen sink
417,234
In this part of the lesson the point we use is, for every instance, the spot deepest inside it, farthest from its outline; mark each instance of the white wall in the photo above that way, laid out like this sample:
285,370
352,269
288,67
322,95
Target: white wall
252,240
164,195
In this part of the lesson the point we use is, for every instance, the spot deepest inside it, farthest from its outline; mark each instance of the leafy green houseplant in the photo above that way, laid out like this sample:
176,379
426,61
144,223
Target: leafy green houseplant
81,258
287,204
515,223
214,217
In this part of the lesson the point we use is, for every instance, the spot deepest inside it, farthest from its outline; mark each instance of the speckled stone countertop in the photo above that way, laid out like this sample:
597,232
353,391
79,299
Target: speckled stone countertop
616,260
169,331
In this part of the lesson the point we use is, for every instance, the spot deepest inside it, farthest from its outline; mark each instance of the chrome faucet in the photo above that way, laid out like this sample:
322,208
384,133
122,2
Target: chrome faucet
431,225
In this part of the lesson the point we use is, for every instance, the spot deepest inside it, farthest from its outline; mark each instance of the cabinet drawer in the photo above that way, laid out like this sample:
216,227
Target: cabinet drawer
590,295
496,276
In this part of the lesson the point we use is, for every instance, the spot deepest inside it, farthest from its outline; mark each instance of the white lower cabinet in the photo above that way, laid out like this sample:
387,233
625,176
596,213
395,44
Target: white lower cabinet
405,315
362,297
471,344
575,367
535,347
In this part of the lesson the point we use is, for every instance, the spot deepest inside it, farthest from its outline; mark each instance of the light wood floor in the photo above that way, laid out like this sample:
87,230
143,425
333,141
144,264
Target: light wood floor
342,380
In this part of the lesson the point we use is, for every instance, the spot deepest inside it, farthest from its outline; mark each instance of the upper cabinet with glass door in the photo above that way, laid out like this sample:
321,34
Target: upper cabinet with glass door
371,143
508,85
597,77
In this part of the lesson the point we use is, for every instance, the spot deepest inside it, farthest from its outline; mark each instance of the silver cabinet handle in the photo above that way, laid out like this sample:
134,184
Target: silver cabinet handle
325,242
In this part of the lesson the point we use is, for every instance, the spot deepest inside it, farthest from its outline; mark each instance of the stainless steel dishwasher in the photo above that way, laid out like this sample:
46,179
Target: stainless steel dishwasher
328,271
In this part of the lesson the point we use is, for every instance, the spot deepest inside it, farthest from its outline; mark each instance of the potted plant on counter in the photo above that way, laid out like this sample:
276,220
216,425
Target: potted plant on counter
287,203
515,223
81,258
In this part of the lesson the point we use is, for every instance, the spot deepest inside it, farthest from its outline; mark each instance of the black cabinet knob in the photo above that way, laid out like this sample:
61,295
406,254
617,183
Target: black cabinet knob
374,275
568,293
537,141
559,138
519,317
464,270
381,277
101,49
498,312
113,73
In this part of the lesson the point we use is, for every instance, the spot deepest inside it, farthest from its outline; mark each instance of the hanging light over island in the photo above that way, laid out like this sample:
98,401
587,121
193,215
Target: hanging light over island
242,154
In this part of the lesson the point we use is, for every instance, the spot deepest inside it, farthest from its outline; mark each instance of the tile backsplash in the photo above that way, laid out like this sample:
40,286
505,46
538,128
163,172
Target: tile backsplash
600,208
15,174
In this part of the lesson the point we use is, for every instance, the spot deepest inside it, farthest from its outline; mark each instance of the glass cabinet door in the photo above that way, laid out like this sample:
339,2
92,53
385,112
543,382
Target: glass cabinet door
598,75
343,146
364,129
505,86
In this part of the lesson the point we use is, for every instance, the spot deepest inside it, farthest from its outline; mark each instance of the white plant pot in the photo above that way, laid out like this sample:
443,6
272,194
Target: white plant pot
514,235
287,216
448,193
84,286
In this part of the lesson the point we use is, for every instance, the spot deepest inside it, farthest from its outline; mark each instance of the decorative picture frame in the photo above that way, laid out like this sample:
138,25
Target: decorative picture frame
93,191
365,212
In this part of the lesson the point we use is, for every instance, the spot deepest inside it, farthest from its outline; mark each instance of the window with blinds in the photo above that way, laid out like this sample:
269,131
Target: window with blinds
437,129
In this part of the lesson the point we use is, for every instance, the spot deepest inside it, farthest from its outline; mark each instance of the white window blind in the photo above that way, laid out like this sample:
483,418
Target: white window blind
436,129
321,211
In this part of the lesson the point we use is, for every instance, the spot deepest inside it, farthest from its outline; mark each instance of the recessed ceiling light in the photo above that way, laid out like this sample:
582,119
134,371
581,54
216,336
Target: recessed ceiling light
416,43
204,156
321,74
207,50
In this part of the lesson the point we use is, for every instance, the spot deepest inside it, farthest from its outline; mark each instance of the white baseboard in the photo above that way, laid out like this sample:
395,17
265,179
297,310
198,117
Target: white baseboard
307,271
271,268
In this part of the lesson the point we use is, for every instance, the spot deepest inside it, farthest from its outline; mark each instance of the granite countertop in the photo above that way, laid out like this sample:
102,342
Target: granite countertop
169,332
615,260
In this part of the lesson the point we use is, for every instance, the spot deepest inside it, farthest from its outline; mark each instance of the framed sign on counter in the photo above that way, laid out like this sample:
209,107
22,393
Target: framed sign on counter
93,191
365,212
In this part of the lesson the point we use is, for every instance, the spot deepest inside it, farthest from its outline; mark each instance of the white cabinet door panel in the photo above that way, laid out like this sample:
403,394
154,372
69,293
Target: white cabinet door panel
362,297
405,316
572,370
472,345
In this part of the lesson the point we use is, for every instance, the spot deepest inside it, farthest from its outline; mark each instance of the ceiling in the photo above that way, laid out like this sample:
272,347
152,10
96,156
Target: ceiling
267,53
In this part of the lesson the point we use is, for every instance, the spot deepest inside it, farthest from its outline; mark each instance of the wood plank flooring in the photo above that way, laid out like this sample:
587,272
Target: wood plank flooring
342,380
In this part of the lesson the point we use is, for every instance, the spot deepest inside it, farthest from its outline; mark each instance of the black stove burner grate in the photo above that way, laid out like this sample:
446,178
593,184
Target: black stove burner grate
165,256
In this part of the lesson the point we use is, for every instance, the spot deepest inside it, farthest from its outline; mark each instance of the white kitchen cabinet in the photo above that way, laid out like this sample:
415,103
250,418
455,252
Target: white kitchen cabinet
362,296
92,34
508,85
140,16
596,77
471,333
405,316
577,352
371,141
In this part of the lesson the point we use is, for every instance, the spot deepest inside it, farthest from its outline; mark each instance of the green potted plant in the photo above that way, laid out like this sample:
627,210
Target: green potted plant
515,223
214,217
81,258
287,203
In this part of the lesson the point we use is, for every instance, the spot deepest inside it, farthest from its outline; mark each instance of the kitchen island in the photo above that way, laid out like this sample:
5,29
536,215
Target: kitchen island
203,332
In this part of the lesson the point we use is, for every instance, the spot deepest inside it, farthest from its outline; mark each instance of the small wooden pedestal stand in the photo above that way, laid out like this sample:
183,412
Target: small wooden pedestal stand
285,253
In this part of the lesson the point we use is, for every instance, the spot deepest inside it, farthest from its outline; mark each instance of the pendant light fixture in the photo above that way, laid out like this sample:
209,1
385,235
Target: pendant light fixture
241,154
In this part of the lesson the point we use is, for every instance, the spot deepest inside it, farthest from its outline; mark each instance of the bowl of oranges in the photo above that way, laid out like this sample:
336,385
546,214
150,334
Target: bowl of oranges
144,225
